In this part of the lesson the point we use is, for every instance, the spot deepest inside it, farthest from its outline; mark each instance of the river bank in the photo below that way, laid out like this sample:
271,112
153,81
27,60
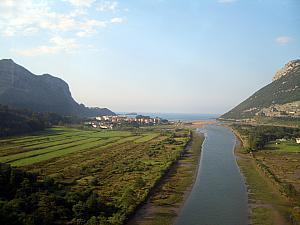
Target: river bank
164,205
268,204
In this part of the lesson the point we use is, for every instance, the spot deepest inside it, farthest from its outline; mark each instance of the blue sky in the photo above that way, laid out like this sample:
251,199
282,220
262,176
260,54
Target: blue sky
154,55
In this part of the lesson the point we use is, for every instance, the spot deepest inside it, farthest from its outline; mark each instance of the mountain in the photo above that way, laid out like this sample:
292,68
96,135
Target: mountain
281,98
19,88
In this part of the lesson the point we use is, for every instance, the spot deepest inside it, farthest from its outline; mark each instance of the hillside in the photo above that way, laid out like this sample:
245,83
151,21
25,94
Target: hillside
19,88
280,99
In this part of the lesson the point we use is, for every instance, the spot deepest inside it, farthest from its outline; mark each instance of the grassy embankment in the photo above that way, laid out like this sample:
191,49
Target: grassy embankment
273,183
121,166
164,205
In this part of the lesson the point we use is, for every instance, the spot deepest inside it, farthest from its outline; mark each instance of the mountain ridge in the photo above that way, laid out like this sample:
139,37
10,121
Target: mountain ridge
19,88
268,101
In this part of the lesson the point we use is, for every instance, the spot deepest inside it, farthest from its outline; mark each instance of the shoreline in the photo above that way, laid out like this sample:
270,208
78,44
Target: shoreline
154,211
236,152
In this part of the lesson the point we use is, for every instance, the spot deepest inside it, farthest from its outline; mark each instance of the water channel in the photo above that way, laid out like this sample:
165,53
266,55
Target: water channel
219,195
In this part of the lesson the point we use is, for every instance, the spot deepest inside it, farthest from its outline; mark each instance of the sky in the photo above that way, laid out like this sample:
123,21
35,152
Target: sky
186,56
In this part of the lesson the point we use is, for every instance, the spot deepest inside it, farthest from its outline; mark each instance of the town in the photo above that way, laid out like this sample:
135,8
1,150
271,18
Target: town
110,122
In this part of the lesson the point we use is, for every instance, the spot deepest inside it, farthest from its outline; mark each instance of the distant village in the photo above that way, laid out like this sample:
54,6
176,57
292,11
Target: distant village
110,122
286,110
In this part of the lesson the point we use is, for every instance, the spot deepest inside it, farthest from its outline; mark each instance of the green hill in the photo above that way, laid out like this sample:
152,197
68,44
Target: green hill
278,99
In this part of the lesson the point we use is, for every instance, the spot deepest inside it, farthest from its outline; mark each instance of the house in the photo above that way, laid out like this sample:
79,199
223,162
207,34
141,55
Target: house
298,140
281,139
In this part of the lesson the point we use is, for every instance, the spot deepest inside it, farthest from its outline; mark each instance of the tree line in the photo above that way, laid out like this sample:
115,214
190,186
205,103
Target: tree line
259,136
21,121
26,200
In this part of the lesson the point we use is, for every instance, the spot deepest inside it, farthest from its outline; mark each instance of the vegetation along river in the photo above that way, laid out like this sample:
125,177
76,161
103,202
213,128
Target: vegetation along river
219,195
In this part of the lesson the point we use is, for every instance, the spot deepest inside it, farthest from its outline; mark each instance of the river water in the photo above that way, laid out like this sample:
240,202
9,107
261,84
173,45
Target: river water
219,195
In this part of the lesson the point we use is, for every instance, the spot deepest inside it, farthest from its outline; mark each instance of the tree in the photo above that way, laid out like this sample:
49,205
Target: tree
128,199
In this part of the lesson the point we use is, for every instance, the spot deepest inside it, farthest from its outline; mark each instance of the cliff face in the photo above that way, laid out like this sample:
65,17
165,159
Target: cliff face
278,99
19,88
289,68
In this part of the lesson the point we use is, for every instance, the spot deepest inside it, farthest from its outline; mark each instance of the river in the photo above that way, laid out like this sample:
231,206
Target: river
219,195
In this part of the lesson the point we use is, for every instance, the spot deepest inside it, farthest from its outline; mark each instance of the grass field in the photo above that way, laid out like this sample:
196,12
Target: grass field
109,162
283,146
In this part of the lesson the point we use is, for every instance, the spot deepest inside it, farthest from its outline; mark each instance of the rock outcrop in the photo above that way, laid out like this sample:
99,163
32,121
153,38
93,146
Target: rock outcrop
290,67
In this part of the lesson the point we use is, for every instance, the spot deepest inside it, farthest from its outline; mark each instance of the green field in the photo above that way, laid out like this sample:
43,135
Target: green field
283,146
58,142
120,166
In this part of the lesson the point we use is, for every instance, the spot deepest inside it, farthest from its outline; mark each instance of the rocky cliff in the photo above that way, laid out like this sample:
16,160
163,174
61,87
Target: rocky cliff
19,88
290,67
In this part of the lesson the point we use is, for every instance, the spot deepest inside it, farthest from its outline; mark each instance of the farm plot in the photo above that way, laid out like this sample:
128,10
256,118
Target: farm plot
45,150
38,145
37,139
146,137
57,142
41,142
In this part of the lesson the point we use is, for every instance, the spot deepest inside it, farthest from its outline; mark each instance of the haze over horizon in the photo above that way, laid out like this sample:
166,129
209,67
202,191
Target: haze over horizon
154,55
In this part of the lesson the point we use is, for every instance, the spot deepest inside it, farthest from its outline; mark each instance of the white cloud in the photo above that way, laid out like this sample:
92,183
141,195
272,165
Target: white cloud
57,44
226,1
117,20
17,16
283,40
81,3
8,32
28,17
107,6
57,22
8,3
89,27
30,31
39,17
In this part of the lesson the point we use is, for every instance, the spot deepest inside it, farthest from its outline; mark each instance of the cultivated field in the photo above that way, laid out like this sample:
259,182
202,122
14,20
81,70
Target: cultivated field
121,166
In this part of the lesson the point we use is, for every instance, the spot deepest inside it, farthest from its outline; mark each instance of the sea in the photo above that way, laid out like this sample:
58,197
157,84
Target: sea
179,116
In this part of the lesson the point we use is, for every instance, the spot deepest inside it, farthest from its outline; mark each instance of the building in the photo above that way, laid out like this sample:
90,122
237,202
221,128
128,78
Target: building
298,140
